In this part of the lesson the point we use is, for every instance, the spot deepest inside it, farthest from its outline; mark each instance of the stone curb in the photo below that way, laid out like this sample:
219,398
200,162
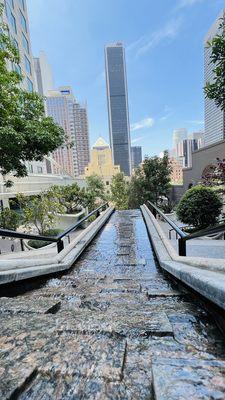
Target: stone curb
15,270
205,276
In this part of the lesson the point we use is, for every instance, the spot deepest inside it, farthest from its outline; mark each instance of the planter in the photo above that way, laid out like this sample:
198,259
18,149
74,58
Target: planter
64,221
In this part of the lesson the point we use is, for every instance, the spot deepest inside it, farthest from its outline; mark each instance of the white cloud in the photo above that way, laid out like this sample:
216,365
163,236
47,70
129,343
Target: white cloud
143,124
138,139
195,122
146,42
187,3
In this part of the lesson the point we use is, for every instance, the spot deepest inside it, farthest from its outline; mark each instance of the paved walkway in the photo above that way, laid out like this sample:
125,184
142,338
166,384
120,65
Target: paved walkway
113,328
200,247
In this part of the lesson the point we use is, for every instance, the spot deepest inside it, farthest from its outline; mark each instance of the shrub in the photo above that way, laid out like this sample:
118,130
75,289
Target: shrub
9,219
200,207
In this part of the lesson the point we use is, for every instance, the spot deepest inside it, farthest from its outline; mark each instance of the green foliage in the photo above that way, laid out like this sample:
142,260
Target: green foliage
119,191
95,192
96,186
25,133
70,196
9,219
151,181
200,207
40,211
215,90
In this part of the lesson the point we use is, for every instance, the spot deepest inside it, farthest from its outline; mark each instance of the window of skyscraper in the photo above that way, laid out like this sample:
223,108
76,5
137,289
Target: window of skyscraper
25,42
30,85
22,4
11,2
23,21
13,22
27,65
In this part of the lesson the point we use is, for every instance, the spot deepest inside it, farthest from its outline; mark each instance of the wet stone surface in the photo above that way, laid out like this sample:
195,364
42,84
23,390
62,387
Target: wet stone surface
113,328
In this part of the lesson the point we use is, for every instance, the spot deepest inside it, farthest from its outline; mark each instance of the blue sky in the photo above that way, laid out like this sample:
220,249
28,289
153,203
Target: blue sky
164,53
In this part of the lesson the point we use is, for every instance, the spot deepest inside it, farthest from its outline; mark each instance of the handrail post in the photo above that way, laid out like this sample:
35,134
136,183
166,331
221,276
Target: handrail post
22,244
60,245
182,247
97,213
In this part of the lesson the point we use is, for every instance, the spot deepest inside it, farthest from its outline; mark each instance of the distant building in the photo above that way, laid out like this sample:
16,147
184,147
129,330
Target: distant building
59,105
118,113
179,135
101,163
43,72
214,116
68,113
136,156
81,136
176,175
184,148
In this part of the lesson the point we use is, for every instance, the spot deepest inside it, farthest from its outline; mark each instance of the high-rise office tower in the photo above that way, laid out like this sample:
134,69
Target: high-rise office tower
68,113
118,113
214,116
179,135
16,17
136,156
43,72
59,106
81,136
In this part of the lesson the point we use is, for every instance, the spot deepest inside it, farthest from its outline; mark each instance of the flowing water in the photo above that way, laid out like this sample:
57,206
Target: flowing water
114,327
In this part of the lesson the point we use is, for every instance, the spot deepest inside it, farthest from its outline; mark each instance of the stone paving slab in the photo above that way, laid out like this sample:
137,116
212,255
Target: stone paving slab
113,324
22,305
184,379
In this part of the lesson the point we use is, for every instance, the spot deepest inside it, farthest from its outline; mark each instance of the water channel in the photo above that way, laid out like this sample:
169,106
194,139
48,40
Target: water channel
114,327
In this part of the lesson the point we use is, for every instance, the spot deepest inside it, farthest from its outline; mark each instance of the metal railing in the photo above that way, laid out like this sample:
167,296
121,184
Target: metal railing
184,237
53,239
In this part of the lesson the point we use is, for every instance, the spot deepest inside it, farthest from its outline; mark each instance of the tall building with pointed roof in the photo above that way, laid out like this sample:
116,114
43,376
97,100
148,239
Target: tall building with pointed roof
101,163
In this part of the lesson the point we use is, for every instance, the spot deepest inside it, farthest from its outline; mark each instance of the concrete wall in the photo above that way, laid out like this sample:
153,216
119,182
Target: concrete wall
200,160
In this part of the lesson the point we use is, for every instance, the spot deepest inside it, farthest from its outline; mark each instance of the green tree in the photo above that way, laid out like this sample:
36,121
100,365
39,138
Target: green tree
151,181
25,133
215,90
9,219
71,197
200,207
119,191
40,212
96,186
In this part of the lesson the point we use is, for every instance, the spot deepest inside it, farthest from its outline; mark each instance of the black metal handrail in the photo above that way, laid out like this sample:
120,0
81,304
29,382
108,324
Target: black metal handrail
54,239
184,237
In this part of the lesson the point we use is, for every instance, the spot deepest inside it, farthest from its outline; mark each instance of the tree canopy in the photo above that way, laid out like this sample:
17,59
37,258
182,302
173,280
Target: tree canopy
26,134
215,90
119,191
150,181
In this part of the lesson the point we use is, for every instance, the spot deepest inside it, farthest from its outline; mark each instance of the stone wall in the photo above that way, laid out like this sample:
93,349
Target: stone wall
200,160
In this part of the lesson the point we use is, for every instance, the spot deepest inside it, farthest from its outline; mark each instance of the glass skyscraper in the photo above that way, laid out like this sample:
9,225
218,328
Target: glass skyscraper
214,116
119,128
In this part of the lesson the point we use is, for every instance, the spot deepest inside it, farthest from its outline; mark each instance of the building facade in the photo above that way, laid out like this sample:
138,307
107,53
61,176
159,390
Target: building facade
101,163
214,116
62,106
43,74
118,113
176,176
59,105
81,137
178,136
16,17
136,156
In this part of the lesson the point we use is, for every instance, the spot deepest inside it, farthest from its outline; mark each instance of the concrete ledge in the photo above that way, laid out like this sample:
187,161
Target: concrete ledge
22,268
206,276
